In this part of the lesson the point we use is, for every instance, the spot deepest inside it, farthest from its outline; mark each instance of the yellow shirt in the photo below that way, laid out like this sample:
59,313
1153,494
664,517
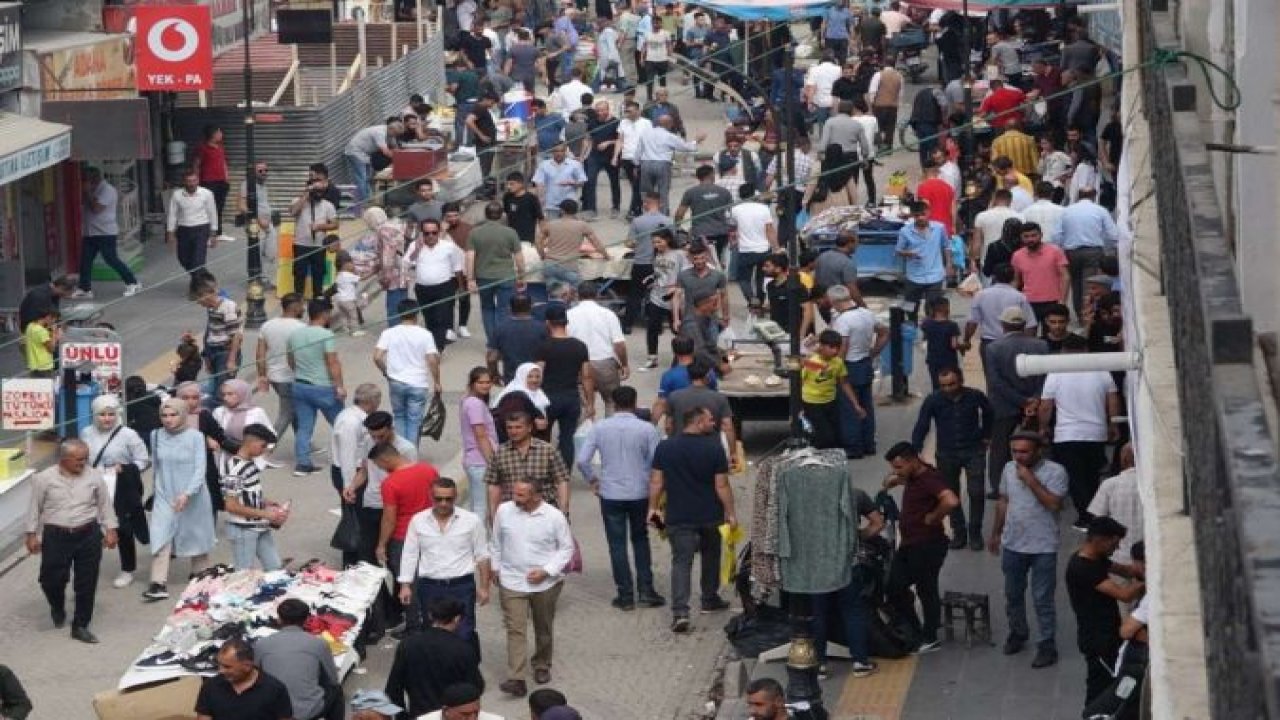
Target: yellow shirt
39,357
1021,149
820,378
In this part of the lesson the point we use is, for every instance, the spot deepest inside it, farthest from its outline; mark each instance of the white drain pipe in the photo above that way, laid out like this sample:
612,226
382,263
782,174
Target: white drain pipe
1029,365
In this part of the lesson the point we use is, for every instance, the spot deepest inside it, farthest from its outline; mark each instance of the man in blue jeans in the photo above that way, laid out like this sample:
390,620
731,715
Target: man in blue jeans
1026,536
406,354
222,338
493,255
626,445
317,383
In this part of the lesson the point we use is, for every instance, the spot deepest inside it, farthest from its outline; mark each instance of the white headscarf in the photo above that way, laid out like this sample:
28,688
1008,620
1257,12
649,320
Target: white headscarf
520,383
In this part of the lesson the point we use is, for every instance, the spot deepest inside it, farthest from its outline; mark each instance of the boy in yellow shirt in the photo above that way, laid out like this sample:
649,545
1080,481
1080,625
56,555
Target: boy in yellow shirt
41,339
822,375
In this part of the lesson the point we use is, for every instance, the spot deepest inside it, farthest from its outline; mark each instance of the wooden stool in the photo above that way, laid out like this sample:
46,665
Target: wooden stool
975,609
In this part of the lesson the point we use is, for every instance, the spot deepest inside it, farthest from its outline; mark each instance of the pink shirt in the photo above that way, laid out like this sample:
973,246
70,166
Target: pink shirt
1041,272
474,412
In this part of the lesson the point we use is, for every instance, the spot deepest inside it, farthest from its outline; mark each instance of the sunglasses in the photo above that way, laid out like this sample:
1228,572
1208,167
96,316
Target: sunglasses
443,499
430,232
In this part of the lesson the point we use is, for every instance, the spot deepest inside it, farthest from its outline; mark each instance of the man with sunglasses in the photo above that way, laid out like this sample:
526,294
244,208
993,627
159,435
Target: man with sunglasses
446,555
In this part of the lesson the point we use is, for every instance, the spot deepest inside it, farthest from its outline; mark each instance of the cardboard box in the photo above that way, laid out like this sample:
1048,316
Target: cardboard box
171,700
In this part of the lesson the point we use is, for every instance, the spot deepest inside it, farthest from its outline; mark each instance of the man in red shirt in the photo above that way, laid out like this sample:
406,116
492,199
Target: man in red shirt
405,492
1002,104
1040,271
940,196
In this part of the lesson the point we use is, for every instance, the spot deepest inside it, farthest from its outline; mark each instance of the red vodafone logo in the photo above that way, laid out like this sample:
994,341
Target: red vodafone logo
174,47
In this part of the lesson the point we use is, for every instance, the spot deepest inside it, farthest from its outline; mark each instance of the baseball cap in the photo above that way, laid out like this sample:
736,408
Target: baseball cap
838,293
376,701
1013,316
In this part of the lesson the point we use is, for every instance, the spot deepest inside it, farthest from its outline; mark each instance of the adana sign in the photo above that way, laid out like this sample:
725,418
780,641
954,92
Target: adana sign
28,404
10,46
174,47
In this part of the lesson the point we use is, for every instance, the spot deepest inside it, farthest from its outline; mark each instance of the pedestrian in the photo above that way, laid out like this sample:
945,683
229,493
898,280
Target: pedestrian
599,329
374,705
543,700
560,246
349,445
241,691
927,257
238,412
863,337
215,438
753,235
262,214
655,151
523,394
668,263
885,92
1014,399
43,297
69,521
850,603
345,295
479,436
942,339
406,354
303,663
822,377
253,518
191,214
272,359
837,22
735,165
1025,534
1086,233
524,456
515,340
1056,329
703,327
939,196
922,547
99,232
360,151
119,453
603,131
626,446
182,523
437,266
461,701
394,277
1082,408
692,470
40,344
492,256
640,239
963,418
210,165
428,662
1118,497
318,384
988,226
700,278
630,127
558,178
445,557
566,365
14,703
766,700
778,293
1095,599
405,492
837,266
1040,270
656,53
222,337
314,218
482,131
989,305
531,547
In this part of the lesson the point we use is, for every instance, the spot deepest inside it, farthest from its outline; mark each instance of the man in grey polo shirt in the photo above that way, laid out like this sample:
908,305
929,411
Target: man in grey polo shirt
837,266
640,239
698,280
710,205
990,303
1025,534
303,663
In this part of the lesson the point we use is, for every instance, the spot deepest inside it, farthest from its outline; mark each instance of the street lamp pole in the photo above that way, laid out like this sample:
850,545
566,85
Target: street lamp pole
252,235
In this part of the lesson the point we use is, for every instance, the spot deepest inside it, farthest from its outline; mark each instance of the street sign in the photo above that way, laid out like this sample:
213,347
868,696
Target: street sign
104,360
28,404
174,47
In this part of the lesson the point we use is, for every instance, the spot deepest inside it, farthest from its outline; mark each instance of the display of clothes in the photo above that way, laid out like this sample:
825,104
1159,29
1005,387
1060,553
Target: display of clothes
220,603
803,523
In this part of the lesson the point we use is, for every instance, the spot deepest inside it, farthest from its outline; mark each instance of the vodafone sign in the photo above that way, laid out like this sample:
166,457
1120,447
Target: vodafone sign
174,47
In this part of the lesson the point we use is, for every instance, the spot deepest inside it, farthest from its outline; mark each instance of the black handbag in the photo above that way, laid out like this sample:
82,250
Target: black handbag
346,537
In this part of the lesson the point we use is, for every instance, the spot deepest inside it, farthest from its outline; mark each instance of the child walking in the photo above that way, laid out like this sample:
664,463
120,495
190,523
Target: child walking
252,518
346,296
942,339
822,375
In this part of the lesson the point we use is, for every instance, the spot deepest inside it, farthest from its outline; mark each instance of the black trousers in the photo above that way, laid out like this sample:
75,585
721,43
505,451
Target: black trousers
632,172
1083,462
64,553
193,247
335,705
219,188
918,566
308,260
635,295
132,529
998,454
436,302
654,318
825,418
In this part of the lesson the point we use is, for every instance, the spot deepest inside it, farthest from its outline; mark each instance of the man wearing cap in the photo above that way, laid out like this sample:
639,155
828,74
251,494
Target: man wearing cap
989,304
864,337
373,705
1025,535
1013,398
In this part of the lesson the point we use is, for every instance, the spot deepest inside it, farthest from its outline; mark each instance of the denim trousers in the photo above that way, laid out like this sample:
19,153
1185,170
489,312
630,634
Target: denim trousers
495,302
249,543
462,589
361,176
854,615
408,407
556,274
393,298
686,541
307,401
625,519
1043,568
565,410
655,177
90,247
746,270
973,463
217,356
477,491
858,435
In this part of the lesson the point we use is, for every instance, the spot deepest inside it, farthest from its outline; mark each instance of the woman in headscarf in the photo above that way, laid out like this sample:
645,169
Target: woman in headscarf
393,274
120,453
215,438
238,412
524,393
182,513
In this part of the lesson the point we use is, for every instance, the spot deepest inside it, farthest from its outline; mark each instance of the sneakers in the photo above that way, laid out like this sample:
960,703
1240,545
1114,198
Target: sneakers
1045,657
1014,644
273,464
358,333
861,670
651,365
463,332
451,336
305,470
958,542
131,290
650,599
155,591
927,646
225,238
624,602
122,580
82,294
976,544
680,625
717,605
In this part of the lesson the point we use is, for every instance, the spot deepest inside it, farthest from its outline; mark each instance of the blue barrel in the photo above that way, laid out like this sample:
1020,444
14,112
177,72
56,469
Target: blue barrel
85,393
517,104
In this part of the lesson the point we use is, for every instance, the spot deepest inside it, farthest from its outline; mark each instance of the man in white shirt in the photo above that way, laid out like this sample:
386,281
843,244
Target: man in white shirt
360,151
567,99
600,330
948,170
407,355
817,86
531,548
314,217
272,358
630,127
864,337
753,235
1080,407
1118,498
894,19
988,226
655,151
189,223
348,444
437,268
101,230
1044,211
446,555
461,702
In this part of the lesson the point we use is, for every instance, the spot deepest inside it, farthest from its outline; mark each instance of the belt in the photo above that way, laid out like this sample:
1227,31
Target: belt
469,578
300,381
73,530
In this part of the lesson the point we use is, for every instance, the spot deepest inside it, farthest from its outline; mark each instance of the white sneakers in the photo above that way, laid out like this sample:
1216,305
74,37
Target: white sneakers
123,580
451,336
463,332
82,294
131,290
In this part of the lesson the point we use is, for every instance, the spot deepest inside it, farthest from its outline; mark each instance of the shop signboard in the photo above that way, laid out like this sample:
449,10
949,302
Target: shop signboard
35,157
104,66
29,404
103,359
10,46
175,47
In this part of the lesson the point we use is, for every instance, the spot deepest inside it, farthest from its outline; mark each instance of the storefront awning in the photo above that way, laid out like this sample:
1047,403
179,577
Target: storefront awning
106,129
28,145
768,9
989,5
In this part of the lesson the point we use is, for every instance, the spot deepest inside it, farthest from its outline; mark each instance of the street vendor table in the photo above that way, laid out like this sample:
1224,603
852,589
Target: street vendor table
751,394
877,239
456,184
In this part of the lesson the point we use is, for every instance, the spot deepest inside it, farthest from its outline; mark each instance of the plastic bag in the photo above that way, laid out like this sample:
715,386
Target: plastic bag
575,562
433,423
970,285
346,537
730,538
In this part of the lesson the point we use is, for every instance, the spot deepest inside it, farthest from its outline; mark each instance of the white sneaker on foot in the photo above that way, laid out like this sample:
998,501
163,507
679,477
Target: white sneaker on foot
358,333
451,336
122,580
131,290
463,332
226,238
82,294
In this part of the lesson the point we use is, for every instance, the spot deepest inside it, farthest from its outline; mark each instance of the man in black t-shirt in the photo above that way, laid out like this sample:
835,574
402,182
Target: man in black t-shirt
1095,598
475,47
240,691
602,129
482,131
523,209
515,340
691,468
564,366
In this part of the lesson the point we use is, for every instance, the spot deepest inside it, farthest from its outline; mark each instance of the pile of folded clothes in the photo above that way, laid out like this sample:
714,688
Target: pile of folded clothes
220,603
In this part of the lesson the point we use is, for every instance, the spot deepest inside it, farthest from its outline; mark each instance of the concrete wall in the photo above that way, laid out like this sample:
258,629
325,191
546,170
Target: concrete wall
80,15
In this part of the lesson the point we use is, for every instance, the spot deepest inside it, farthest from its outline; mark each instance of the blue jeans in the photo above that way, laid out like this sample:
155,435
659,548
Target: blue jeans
555,274
623,519
854,618
307,401
90,246
858,435
565,410
1043,568
408,407
250,543
361,175
477,491
460,119
566,64
462,589
217,357
746,270
393,303
495,302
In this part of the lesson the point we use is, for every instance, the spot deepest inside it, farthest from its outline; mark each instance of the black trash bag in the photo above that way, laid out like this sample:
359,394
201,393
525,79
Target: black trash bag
433,423
346,537
766,629
885,640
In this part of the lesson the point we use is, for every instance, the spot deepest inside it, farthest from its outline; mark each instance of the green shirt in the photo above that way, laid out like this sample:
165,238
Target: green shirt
39,357
468,84
308,346
495,246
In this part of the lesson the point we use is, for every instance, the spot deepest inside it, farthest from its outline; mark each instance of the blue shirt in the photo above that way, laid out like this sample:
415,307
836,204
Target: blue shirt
1086,224
677,378
565,25
549,128
551,174
963,421
927,268
837,23
626,444
937,336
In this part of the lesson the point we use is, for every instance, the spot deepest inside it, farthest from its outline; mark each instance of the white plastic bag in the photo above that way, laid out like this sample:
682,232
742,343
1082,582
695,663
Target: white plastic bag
970,285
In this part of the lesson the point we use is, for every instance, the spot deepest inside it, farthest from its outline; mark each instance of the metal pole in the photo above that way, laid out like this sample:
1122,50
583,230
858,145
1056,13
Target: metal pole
966,83
897,348
251,179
